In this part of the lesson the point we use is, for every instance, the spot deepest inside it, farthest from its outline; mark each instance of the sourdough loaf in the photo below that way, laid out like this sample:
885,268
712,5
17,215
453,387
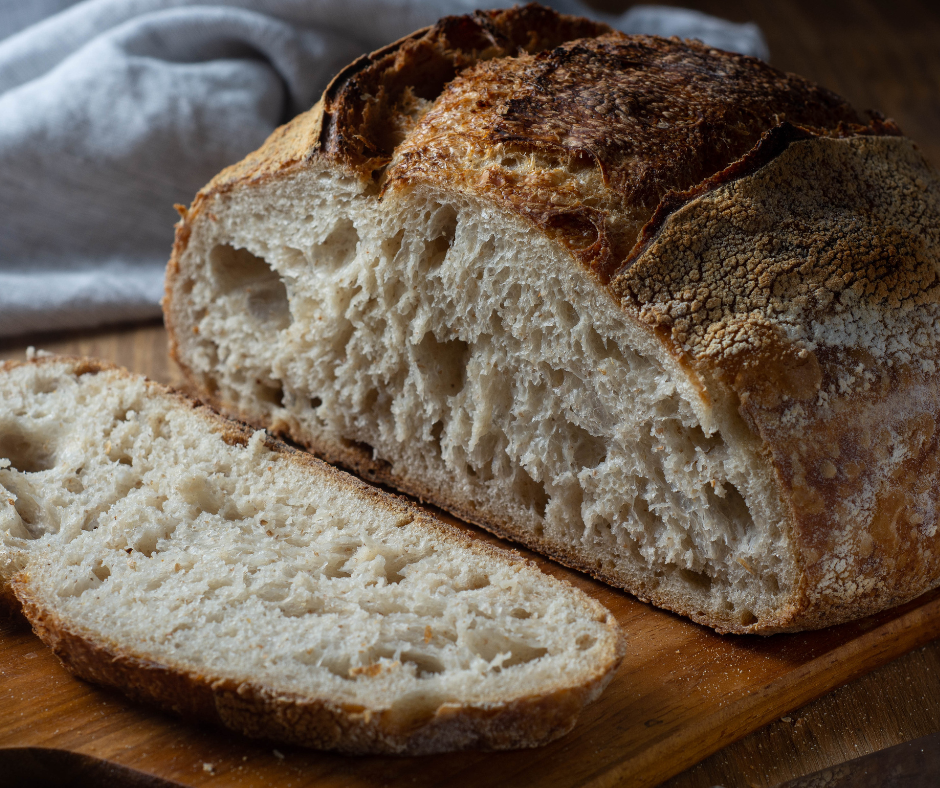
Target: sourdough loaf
199,565
662,312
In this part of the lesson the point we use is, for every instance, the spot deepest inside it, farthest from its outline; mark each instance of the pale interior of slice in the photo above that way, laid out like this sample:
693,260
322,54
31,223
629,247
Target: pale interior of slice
144,529
491,372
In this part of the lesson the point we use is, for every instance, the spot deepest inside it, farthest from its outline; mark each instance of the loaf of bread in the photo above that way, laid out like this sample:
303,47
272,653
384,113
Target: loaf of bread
664,313
199,565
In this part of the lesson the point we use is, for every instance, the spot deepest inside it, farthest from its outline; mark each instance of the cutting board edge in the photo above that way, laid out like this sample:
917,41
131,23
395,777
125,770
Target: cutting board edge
689,745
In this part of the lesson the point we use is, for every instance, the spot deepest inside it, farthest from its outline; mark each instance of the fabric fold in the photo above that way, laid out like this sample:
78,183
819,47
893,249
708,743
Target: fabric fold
114,110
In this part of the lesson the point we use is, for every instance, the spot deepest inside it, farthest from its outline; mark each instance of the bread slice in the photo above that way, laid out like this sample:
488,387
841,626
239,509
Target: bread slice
662,312
199,565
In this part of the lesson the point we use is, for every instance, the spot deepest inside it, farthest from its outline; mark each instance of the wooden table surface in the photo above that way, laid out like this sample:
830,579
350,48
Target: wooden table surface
880,54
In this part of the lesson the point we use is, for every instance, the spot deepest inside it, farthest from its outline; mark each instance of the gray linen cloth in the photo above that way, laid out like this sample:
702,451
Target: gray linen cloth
111,111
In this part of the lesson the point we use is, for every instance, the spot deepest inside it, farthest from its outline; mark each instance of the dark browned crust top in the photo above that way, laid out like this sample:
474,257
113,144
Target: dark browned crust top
616,123
371,106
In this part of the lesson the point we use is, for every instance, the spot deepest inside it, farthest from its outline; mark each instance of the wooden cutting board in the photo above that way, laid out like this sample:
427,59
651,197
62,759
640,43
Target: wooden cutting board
682,693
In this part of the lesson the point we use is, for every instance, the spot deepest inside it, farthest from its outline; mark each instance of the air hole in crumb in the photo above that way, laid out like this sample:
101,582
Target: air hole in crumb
203,494
473,583
337,249
530,493
747,618
436,250
360,446
118,453
273,592
584,642
589,450
568,316
489,644
74,485
234,268
146,544
391,246
595,344
210,384
28,509
335,565
647,518
270,392
437,432
315,402
697,580
337,664
696,435
45,385
732,505
370,400
101,572
773,585
443,365
26,454
426,664
395,565
519,612
266,295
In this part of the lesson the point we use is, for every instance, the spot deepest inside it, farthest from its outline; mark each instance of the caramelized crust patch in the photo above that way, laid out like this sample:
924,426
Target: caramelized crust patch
373,103
586,139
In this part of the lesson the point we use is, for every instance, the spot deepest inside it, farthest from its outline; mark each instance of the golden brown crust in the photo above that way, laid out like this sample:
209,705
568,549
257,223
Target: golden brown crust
373,103
586,139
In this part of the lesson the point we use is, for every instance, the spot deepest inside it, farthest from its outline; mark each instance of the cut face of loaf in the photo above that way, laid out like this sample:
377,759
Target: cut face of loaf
499,305
190,562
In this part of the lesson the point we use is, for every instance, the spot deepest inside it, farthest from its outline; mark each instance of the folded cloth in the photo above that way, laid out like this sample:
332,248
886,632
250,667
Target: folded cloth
114,110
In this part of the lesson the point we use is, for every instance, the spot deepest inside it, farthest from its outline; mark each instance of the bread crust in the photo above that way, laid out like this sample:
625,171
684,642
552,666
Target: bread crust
261,712
761,311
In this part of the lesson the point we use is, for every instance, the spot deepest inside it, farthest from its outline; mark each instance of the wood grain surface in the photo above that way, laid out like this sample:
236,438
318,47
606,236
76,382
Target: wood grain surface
879,54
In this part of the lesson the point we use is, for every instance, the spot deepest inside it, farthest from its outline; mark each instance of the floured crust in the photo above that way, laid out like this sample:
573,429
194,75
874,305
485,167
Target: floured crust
823,327
781,248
